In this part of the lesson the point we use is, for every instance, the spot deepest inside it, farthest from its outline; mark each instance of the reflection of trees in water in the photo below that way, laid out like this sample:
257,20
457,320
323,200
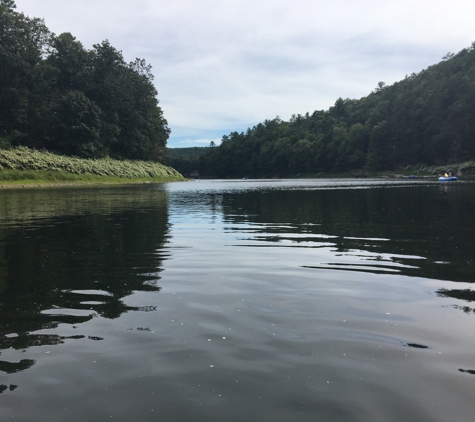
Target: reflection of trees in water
402,222
462,294
20,206
73,267
466,295
465,309
4,387
415,231
11,367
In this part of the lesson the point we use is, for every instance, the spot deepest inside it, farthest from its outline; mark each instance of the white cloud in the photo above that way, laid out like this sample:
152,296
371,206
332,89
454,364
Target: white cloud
224,65
189,142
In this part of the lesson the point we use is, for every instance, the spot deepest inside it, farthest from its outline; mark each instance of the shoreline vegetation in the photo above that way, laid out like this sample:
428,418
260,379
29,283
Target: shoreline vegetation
71,115
188,162
23,166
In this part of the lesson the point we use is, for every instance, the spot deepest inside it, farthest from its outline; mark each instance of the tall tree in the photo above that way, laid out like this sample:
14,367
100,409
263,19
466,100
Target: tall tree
72,63
23,43
77,126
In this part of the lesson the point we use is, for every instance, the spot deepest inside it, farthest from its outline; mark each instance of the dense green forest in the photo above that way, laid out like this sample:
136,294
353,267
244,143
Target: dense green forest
57,95
185,160
428,118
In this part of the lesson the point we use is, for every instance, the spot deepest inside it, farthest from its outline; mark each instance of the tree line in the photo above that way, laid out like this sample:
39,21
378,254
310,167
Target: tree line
426,118
185,160
59,96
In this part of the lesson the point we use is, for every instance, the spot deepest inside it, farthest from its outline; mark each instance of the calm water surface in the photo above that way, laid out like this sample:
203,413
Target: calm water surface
311,300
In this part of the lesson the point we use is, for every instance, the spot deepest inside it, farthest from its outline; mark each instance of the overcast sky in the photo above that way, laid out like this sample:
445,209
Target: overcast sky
225,65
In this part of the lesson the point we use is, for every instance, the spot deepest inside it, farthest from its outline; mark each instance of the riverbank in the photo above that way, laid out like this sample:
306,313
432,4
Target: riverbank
37,178
22,167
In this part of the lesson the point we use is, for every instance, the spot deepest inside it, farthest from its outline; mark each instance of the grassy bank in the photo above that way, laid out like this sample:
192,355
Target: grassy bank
26,166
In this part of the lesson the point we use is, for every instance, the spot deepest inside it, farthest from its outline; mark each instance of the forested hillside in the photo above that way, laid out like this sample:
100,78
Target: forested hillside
427,118
57,95
185,160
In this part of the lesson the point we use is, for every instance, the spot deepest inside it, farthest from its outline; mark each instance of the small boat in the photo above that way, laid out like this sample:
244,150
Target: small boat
448,178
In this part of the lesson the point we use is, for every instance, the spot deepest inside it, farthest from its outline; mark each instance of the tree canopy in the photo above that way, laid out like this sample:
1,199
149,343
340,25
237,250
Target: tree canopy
57,95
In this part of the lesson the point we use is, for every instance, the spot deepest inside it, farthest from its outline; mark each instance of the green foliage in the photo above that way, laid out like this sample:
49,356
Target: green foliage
55,94
5,142
77,126
23,42
185,160
70,64
23,158
427,118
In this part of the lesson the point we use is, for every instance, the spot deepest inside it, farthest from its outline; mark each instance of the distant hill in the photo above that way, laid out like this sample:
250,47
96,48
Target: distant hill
185,160
427,118
191,152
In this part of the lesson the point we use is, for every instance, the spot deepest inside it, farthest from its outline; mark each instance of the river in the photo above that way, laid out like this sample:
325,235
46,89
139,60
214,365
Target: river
277,300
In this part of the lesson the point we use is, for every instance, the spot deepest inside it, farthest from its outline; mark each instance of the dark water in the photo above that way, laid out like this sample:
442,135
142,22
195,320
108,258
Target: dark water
238,301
